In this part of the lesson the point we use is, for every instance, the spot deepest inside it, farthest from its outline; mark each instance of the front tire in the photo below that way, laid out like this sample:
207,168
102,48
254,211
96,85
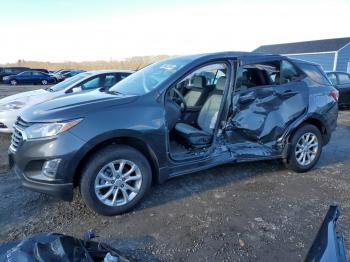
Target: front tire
44,82
115,179
306,148
13,82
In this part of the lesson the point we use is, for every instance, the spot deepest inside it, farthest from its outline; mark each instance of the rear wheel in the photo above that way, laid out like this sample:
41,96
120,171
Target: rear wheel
306,148
13,82
115,179
44,82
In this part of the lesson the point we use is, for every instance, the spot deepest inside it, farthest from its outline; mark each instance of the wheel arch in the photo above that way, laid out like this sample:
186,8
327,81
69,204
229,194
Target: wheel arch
315,121
133,142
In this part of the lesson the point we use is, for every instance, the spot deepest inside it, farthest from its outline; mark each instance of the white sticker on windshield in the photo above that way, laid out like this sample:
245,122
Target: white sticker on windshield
168,67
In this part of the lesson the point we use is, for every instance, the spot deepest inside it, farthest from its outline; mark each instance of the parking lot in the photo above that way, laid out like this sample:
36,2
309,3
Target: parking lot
241,212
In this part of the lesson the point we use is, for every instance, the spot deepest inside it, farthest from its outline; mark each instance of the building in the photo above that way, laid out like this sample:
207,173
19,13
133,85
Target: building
332,54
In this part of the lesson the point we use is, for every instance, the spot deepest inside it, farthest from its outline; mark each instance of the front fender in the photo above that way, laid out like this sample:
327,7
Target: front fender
101,139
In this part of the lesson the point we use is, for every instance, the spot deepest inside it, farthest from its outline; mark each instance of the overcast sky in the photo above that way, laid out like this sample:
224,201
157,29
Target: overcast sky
81,30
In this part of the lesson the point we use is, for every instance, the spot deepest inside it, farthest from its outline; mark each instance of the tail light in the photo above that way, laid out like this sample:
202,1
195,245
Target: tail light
335,94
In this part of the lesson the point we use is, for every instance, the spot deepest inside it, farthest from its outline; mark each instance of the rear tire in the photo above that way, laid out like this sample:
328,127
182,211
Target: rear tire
44,82
306,148
101,177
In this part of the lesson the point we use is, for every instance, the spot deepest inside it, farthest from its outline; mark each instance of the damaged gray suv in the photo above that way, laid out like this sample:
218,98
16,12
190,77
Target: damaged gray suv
171,118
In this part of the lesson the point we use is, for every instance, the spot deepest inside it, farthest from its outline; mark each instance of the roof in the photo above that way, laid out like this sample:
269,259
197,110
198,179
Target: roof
221,55
96,72
316,46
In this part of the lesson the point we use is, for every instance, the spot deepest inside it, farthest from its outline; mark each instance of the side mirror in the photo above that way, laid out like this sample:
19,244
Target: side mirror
77,89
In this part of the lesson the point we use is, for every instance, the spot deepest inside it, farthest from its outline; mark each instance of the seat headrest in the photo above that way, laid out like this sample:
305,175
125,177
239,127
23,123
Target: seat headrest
198,81
220,84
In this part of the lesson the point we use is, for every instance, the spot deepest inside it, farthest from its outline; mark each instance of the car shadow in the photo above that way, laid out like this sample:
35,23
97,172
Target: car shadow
214,178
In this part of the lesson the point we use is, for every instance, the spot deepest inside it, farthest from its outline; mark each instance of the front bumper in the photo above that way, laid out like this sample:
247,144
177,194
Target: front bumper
28,159
62,191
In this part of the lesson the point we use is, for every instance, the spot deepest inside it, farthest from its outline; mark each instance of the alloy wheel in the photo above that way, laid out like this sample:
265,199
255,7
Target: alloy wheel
118,182
306,149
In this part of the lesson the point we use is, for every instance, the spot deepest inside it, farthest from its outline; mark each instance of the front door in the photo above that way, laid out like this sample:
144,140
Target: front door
25,77
269,95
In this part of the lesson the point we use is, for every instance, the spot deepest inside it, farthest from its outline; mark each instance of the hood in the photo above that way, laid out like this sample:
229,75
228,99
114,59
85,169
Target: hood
73,106
27,97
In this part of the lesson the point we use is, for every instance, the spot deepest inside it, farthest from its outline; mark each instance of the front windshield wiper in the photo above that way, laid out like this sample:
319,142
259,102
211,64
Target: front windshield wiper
114,92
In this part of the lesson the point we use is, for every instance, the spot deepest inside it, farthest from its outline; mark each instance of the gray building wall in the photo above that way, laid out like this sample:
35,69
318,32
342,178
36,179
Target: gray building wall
343,58
326,60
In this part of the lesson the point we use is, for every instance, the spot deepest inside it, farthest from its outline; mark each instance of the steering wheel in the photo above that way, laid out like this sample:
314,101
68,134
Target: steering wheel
181,100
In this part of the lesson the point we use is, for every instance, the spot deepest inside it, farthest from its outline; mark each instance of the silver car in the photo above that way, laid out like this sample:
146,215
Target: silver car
12,106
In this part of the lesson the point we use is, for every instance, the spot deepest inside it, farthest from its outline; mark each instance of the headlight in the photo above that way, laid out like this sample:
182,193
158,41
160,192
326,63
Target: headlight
49,129
12,105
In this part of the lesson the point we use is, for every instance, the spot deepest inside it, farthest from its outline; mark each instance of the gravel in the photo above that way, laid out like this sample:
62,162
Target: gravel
241,212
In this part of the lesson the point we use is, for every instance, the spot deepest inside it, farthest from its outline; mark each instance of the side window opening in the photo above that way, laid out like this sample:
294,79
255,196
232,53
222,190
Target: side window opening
198,85
315,73
110,80
261,74
91,84
289,72
333,78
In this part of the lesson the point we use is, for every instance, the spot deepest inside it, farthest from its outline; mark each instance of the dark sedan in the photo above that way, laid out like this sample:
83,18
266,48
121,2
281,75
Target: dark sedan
8,71
341,81
30,77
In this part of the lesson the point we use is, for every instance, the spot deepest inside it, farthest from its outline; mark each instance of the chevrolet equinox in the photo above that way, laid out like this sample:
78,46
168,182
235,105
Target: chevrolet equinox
174,117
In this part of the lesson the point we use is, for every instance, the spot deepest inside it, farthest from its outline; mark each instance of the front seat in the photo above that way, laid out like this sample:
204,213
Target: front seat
197,93
200,137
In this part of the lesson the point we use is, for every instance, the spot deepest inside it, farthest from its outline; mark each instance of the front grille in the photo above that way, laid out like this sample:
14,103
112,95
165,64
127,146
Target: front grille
21,123
17,135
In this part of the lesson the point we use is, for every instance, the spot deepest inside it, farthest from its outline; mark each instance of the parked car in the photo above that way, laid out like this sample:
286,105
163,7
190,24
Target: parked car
11,106
165,120
60,74
341,81
8,71
41,70
71,73
29,77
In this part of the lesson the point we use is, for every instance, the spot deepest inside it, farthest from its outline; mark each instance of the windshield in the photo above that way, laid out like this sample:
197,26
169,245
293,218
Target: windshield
66,83
148,78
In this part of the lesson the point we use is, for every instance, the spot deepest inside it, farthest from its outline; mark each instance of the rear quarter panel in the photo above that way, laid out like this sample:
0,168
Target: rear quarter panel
322,107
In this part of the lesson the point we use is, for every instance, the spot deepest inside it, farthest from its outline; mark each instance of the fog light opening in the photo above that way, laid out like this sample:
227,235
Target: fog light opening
50,167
